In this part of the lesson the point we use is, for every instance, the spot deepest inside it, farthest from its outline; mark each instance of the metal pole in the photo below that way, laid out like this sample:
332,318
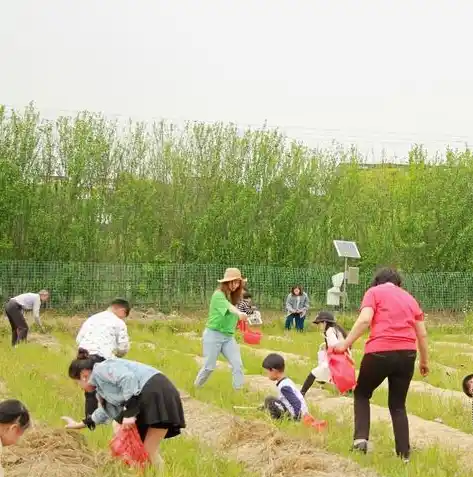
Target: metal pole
345,283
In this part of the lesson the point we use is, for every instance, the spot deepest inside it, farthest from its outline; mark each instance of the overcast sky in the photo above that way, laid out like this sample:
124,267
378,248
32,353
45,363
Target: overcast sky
377,73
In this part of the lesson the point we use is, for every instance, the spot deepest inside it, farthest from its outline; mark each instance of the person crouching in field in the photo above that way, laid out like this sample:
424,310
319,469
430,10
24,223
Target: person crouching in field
15,309
219,334
14,421
130,393
104,335
290,403
333,334
297,305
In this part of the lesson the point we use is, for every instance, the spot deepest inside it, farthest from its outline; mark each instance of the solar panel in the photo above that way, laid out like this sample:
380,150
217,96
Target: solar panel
346,249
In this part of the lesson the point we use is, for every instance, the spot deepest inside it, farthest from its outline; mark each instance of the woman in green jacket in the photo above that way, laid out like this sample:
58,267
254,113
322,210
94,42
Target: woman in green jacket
219,334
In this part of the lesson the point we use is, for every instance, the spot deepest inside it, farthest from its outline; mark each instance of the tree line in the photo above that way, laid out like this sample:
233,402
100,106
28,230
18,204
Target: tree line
88,189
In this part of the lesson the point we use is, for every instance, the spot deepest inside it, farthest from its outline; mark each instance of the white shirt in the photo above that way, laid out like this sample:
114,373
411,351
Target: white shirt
333,337
104,334
292,398
30,301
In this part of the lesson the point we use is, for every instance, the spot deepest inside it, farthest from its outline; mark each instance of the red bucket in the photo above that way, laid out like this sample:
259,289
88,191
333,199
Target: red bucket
242,325
252,337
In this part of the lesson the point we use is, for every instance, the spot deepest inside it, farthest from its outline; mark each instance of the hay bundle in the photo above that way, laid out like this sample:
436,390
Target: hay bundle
270,452
53,453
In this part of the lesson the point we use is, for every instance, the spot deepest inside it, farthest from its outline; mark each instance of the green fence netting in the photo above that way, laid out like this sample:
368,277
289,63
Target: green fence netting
84,286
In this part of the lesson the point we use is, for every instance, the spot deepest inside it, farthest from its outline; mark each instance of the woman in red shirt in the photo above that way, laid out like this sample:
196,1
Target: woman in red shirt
397,329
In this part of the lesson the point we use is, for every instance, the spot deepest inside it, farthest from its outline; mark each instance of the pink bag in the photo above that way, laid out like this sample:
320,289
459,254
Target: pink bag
342,369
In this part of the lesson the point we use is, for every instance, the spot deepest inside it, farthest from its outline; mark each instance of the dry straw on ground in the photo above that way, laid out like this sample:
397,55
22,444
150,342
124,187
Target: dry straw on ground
53,453
47,341
262,448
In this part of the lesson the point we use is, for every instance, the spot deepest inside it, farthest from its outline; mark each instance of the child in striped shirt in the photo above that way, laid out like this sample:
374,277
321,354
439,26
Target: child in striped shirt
246,303
290,403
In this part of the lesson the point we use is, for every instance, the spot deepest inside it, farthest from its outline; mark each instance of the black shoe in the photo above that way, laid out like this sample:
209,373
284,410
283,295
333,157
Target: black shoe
360,447
404,457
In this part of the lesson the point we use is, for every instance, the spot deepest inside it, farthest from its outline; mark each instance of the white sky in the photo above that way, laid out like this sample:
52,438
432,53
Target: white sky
377,73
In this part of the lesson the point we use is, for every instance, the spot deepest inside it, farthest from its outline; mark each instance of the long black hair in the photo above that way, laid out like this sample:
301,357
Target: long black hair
81,363
13,411
337,328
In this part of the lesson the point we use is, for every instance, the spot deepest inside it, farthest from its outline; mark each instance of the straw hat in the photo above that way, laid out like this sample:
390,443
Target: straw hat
232,274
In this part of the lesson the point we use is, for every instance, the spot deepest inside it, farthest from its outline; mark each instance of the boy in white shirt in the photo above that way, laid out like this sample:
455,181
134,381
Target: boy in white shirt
290,403
15,309
104,335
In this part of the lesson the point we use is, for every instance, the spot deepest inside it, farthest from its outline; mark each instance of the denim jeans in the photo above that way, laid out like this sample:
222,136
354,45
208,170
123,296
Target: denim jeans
215,343
298,319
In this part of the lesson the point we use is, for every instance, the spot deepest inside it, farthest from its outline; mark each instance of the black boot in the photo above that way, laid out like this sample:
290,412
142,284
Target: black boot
307,384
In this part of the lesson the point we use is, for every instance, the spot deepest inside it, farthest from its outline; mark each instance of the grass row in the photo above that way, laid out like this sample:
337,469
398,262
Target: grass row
452,411
39,378
182,369
50,394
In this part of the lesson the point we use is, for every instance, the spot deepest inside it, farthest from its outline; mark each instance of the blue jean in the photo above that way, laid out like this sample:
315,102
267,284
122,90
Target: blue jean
215,343
299,319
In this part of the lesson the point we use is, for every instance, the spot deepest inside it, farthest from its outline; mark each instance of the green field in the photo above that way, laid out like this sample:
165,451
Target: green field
220,442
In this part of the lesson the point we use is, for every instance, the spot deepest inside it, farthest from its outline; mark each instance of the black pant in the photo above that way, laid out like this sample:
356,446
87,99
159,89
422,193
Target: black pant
91,402
398,367
19,327
276,408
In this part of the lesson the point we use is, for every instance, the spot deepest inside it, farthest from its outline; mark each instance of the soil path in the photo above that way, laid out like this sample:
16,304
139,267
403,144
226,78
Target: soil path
262,448
289,357
423,433
418,386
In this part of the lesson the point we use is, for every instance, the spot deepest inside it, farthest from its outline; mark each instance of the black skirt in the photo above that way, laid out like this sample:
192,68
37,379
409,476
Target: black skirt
160,407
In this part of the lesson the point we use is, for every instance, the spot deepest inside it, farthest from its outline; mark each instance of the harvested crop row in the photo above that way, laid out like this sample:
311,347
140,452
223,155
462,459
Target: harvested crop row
262,448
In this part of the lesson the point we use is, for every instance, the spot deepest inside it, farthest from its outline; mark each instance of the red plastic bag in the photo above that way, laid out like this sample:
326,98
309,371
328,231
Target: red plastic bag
318,424
126,445
342,369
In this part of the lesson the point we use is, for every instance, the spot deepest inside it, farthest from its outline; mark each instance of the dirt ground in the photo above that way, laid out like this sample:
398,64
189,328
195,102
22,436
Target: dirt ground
289,357
423,433
262,448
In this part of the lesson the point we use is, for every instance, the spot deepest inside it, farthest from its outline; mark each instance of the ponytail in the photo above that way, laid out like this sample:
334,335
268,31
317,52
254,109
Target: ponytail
82,354
81,363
